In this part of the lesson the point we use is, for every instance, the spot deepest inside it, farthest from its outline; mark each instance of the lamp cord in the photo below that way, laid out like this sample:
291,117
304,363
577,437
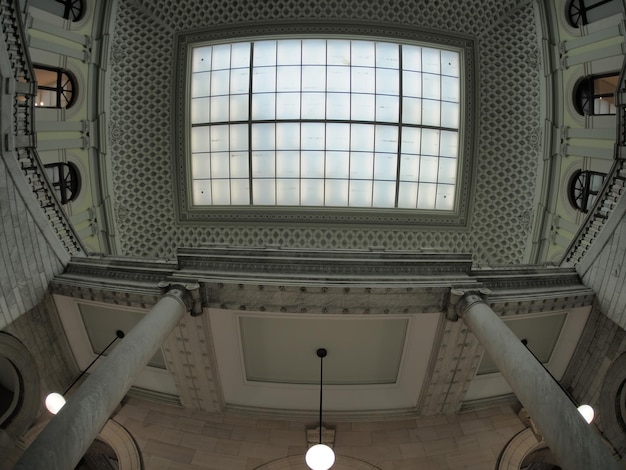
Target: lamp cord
118,335
568,394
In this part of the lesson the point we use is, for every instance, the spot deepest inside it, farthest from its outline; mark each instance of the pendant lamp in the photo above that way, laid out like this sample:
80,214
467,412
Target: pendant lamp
320,456
55,401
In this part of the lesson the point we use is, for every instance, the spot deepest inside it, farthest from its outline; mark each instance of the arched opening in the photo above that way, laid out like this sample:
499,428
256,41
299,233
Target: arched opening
595,95
10,391
583,188
72,10
65,179
56,87
99,456
582,12
540,459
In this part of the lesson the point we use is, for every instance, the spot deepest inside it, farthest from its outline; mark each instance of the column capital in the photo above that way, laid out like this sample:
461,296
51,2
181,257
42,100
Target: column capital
461,299
188,293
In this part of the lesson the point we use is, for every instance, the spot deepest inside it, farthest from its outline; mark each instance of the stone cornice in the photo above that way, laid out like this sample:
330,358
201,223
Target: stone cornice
354,300
374,267
333,282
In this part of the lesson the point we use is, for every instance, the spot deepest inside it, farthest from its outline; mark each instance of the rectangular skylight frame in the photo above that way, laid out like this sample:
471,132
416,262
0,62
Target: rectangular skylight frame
313,213
270,119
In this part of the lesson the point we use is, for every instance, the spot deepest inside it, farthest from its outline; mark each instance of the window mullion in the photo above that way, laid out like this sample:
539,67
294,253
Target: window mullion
400,88
300,183
250,180
374,124
350,124
59,89
275,121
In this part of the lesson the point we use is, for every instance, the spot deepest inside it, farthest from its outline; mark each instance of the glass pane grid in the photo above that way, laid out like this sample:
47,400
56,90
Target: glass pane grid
308,152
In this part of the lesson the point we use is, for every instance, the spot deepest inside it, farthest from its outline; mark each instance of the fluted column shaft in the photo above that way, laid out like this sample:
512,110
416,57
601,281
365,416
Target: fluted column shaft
64,441
574,443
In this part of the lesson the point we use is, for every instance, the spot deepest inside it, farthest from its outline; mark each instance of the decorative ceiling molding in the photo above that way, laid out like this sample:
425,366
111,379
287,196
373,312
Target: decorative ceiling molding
327,299
504,172
191,362
278,264
375,282
322,285
453,366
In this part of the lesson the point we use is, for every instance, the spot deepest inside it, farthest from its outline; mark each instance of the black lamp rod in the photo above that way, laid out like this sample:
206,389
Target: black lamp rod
525,343
118,335
321,353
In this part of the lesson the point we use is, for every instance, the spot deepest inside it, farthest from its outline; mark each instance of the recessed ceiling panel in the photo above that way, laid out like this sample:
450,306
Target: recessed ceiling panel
101,323
551,337
283,350
374,362
541,333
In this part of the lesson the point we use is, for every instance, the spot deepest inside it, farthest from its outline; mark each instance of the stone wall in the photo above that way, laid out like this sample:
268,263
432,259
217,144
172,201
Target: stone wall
30,253
172,438
41,332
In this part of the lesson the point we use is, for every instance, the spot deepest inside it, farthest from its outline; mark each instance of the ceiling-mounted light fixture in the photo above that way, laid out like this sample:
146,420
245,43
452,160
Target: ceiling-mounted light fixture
320,456
586,411
55,401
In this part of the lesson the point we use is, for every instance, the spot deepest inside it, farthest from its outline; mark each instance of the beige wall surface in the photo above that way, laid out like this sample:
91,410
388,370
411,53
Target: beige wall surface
172,438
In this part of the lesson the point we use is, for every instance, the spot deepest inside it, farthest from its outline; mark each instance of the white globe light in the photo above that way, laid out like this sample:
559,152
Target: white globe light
587,412
54,402
320,457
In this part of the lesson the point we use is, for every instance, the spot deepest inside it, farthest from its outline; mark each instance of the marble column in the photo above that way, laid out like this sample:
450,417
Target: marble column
575,443
64,441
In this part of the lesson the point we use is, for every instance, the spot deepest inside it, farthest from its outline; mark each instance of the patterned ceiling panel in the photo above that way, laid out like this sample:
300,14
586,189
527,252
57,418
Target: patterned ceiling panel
508,140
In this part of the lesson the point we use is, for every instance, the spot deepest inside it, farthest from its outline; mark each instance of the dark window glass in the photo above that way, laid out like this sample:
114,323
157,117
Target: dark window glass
56,87
72,9
65,179
595,95
582,12
584,188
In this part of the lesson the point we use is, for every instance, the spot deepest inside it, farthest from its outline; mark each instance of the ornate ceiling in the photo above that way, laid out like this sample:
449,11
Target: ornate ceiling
507,146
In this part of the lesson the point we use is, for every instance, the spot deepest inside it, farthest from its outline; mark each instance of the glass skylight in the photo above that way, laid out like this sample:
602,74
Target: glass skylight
315,122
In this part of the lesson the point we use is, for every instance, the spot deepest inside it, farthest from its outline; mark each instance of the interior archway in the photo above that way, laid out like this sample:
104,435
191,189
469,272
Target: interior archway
21,370
10,390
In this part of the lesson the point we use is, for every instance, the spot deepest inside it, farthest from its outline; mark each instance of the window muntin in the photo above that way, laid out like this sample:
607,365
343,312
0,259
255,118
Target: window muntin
56,87
595,95
582,12
584,188
314,122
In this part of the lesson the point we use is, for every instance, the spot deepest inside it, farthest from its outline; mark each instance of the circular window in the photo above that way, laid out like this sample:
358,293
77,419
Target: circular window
10,391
